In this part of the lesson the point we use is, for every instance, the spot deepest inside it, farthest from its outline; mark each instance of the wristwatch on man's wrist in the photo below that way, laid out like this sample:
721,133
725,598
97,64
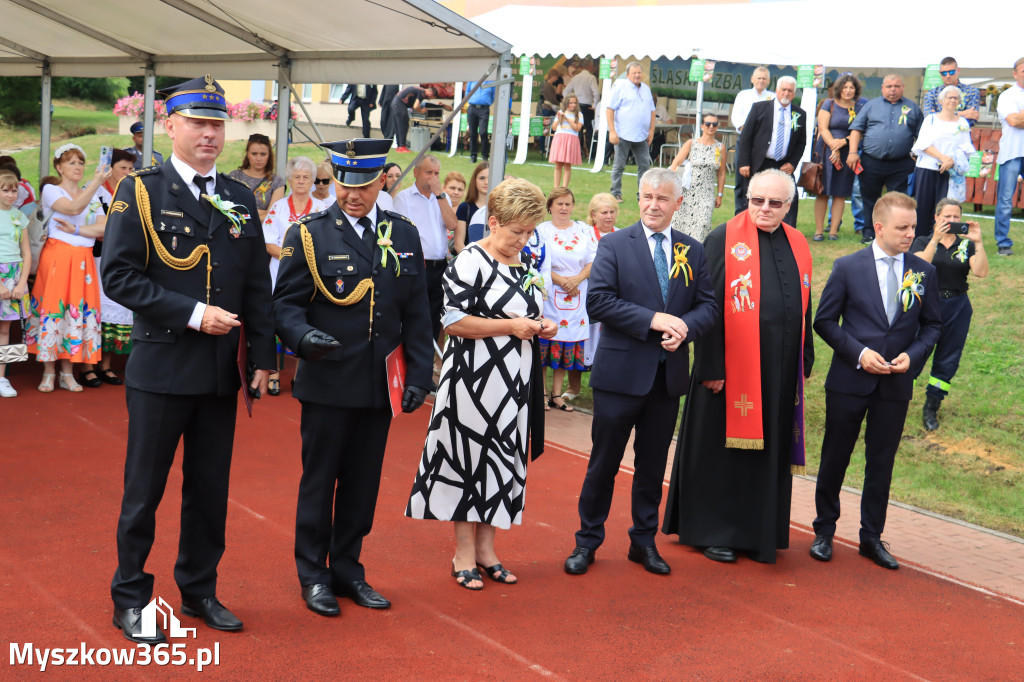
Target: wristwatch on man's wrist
442,195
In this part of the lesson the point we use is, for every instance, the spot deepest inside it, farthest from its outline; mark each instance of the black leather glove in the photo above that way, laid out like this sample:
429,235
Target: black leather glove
413,398
315,345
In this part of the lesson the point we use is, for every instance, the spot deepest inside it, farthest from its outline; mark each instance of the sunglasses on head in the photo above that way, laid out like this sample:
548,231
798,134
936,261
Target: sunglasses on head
774,203
947,73
259,137
322,181
711,124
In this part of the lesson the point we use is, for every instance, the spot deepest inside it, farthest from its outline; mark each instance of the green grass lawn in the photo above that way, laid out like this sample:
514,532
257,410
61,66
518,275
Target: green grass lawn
972,468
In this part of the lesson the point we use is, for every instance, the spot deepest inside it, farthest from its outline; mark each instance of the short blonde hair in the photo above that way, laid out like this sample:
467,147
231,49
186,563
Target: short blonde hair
889,201
8,179
454,175
516,201
599,201
325,168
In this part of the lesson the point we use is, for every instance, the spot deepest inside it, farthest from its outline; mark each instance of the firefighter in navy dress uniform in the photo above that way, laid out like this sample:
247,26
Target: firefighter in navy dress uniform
187,256
350,289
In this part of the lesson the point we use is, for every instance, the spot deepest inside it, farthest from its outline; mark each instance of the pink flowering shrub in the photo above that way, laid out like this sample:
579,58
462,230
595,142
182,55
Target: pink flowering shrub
134,105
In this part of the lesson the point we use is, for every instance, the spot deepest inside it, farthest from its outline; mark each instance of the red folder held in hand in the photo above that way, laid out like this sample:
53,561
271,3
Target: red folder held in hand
395,363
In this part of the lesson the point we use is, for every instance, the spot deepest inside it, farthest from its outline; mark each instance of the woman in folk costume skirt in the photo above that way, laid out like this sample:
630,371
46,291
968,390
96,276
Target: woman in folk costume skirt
65,324
565,143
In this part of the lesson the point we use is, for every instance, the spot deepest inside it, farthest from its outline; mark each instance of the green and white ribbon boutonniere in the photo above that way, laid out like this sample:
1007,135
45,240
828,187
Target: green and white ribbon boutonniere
794,121
961,251
532,279
386,247
230,211
903,115
911,289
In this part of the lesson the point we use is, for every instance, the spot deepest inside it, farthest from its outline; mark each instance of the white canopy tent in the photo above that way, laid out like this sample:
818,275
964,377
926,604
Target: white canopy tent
901,36
304,41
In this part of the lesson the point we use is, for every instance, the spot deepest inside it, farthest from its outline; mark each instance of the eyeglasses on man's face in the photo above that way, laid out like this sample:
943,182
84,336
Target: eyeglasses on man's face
947,73
774,203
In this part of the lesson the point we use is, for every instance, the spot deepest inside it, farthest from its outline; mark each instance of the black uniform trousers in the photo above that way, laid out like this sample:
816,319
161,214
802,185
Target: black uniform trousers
435,294
400,122
844,414
878,173
477,119
156,423
615,416
342,456
363,106
956,322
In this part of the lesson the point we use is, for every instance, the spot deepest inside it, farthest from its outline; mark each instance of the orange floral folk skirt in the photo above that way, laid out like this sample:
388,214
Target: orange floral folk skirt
65,324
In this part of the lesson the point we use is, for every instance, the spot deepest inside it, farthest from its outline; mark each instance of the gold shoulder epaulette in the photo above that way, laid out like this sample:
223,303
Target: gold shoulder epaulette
149,170
234,180
394,215
310,216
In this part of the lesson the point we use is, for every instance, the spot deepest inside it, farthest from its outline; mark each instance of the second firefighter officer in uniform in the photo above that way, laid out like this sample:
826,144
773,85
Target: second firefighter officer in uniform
350,289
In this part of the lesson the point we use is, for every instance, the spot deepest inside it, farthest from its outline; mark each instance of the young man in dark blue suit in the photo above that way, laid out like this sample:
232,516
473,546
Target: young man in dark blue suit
888,302
649,287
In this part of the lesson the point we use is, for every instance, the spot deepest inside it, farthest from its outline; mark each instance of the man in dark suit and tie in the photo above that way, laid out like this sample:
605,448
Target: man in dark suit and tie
774,136
188,258
351,288
649,287
880,314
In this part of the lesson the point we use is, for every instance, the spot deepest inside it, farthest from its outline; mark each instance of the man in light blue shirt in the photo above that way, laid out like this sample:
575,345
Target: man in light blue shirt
478,118
630,125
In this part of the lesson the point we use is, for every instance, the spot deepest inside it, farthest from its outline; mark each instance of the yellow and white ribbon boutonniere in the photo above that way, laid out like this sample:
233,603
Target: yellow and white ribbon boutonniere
230,210
794,121
680,264
386,247
532,279
910,289
903,115
961,251
851,114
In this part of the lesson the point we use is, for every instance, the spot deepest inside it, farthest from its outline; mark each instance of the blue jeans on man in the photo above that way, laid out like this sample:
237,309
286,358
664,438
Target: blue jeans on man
642,156
1008,173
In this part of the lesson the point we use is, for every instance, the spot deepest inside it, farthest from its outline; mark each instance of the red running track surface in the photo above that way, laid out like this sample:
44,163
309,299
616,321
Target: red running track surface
799,619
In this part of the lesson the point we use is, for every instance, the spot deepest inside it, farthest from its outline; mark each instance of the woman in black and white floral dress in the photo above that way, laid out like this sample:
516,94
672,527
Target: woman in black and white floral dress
473,469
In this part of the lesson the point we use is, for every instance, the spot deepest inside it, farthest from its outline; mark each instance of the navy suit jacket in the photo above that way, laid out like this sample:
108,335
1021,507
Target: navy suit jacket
852,295
624,295
752,147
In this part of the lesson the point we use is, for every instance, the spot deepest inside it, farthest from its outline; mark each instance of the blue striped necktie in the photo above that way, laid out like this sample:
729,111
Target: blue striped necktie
661,265
780,135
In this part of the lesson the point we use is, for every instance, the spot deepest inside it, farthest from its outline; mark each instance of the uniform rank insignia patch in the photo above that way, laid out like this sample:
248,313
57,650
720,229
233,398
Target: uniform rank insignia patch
119,206
339,285
287,251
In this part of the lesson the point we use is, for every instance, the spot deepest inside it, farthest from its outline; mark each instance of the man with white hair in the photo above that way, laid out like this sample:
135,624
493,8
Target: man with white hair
742,433
649,288
774,136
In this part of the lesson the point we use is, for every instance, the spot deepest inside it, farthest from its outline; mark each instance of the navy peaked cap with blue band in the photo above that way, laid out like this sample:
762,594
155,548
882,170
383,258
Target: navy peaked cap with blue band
358,162
197,98
137,127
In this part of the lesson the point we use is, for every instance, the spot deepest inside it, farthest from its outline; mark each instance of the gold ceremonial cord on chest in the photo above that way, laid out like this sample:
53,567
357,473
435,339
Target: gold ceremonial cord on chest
357,294
142,199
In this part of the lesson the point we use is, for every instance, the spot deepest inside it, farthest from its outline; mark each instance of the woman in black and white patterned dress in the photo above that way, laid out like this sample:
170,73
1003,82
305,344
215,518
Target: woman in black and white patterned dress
473,469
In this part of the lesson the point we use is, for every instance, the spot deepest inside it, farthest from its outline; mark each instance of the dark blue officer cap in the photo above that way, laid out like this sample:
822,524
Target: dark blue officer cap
197,98
357,162
137,127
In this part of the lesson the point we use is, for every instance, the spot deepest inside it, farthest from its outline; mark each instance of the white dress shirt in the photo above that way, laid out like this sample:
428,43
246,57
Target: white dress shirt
787,113
666,244
741,106
1011,144
584,86
882,274
188,174
425,214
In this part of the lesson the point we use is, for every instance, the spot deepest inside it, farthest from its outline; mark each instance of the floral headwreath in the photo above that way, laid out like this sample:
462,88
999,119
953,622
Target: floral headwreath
65,148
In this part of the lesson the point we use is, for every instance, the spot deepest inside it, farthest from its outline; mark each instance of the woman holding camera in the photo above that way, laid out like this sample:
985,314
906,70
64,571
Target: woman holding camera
955,252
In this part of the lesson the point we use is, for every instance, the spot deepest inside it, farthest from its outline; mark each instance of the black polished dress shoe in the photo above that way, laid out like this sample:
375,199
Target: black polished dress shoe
319,599
361,593
130,623
877,551
821,548
724,554
649,558
213,613
579,561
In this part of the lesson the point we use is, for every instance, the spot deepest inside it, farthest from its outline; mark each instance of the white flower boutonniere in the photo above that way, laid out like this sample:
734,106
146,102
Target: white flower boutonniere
794,121
386,246
230,210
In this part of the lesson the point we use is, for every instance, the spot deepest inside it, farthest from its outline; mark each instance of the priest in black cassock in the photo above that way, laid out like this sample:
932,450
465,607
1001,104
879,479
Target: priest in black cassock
742,432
